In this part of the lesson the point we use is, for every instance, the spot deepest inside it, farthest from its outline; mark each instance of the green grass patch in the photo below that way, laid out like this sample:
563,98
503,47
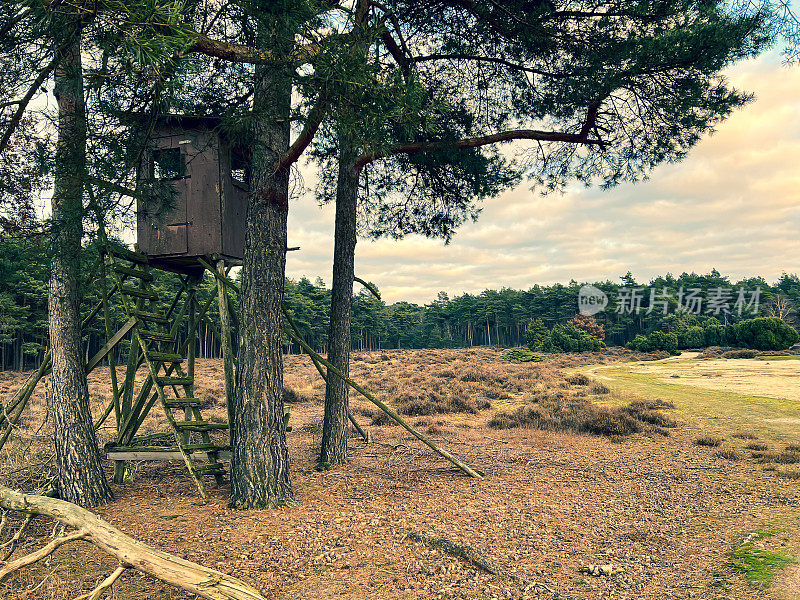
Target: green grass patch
715,413
759,566
770,358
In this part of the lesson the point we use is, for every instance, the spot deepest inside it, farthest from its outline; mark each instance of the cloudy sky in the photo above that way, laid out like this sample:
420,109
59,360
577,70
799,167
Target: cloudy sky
733,204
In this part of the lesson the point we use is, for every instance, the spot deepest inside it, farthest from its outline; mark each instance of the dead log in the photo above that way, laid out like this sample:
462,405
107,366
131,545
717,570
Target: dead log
130,552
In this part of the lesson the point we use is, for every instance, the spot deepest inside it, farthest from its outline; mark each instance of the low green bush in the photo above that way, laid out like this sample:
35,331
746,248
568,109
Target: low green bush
522,355
568,338
692,337
562,338
714,334
766,333
658,340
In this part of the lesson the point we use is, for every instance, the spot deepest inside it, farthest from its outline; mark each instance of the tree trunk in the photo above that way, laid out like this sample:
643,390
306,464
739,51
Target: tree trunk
80,477
260,458
335,424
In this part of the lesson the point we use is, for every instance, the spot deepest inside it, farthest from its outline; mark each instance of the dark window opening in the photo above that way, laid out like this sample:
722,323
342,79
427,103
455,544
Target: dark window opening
168,163
240,169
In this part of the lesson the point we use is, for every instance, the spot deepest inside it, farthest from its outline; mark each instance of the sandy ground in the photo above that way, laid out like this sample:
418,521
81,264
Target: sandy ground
767,378
664,511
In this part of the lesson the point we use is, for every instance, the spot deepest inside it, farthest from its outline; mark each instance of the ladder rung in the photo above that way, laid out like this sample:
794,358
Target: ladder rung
140,448
199,425
150,317
204,448
154,436
138,273
126,254
165,357
139,293
174,380
156,335
212,469
183,402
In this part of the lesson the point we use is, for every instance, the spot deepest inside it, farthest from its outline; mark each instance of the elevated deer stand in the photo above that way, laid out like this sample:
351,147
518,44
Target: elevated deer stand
151,331
201,225
201,228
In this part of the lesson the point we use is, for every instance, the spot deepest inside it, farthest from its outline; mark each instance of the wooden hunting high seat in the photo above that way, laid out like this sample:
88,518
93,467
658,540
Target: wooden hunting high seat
153,343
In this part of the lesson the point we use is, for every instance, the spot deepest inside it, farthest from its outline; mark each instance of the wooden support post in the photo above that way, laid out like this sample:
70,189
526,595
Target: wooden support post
122,471
191,339
13,411
362,432
107,348
227,347
25,392
112,363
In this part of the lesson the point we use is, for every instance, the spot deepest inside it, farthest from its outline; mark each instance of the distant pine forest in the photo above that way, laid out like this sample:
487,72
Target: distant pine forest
492,317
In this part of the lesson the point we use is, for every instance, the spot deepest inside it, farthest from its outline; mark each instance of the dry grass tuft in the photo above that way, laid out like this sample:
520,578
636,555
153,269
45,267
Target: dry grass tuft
728,454
558,411
781,458
740,354
709,441
431,403
756,446
292,396
578,379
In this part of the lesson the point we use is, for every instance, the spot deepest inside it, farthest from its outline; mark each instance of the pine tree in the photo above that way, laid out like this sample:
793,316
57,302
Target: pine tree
628,89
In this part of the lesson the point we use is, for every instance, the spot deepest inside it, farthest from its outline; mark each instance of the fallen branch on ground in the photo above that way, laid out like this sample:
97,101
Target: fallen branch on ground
476,558
33,557
131,553
12,543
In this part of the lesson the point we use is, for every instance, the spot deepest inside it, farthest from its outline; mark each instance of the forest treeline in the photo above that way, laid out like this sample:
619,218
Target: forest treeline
492,317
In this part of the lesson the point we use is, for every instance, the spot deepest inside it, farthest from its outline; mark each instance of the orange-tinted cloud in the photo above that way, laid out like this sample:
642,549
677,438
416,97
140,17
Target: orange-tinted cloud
733,204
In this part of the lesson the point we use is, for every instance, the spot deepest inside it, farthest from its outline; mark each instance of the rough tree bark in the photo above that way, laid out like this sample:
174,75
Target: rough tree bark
260,458
80,476
335,424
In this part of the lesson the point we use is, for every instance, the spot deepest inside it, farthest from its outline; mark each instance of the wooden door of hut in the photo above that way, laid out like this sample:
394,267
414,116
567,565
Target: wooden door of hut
200,180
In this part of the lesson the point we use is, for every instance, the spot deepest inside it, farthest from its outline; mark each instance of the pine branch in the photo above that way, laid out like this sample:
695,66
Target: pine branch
313,122
486,140
23,103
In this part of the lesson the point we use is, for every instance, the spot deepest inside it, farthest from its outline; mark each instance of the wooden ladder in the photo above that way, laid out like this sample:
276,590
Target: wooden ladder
156,333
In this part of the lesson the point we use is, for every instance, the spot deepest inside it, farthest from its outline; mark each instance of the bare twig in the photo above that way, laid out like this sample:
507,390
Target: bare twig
12,543
33,557
97,592
23,103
